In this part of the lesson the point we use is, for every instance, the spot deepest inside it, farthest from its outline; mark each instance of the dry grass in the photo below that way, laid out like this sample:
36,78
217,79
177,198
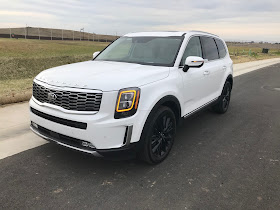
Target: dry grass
21,60
240,52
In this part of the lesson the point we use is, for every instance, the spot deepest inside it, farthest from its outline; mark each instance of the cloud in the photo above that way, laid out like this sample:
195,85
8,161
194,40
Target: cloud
238,19
26,14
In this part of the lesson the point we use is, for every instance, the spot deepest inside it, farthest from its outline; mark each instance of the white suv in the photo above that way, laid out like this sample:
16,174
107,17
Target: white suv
130,97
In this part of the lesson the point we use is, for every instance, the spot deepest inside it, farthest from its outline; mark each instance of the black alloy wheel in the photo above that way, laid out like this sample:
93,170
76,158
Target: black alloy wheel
226,96
161,139
159,133
223,103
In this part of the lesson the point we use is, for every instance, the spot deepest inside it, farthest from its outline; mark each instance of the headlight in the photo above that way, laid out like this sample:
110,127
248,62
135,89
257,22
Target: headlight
127,102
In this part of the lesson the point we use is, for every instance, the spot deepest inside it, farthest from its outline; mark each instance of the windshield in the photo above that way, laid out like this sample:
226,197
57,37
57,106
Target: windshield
157,51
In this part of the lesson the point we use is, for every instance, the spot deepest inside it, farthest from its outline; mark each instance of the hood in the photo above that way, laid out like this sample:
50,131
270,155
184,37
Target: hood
103,75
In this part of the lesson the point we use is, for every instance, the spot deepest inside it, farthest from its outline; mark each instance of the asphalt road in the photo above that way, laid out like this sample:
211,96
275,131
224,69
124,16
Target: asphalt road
229,161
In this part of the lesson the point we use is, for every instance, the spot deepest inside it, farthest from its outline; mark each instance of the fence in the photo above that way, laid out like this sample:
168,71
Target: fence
54,34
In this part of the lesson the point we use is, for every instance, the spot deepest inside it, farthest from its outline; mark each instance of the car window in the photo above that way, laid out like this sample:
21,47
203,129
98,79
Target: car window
210,50
157,51
122,51
221,48
193,49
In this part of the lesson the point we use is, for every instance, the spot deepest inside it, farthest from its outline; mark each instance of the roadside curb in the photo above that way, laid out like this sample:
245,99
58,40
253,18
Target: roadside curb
243,68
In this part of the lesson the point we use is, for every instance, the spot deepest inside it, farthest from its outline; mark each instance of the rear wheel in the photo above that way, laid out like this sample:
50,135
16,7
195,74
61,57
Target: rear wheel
223,103
158,135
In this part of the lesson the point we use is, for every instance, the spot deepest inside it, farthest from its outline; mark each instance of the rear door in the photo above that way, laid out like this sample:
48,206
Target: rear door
214,67
224,61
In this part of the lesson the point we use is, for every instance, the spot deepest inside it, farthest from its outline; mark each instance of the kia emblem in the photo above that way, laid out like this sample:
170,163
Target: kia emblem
52,97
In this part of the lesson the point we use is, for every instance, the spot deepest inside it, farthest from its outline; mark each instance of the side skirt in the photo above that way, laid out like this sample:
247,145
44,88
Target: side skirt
207,105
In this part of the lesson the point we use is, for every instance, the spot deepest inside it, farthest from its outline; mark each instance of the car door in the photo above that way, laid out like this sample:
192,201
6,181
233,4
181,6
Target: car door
195,79
225,65
214,67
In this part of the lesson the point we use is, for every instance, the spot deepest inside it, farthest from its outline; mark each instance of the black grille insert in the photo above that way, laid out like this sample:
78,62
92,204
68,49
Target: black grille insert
74,101
62,121
63,139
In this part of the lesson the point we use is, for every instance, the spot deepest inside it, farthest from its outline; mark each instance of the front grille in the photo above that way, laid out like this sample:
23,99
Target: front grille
69,100
62,121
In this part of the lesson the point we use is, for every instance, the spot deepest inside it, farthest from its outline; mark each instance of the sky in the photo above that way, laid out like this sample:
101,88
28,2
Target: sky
233,20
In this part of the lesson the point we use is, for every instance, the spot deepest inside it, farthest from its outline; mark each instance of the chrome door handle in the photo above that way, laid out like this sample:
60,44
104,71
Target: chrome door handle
206,72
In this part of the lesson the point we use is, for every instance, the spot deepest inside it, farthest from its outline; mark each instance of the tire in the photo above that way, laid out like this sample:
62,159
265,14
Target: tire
158,135
223,102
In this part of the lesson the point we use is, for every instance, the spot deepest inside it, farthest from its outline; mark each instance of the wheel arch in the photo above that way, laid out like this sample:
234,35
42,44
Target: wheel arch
170,101
230,79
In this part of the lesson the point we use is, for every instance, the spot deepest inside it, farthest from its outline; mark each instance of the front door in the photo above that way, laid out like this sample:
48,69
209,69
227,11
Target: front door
196,83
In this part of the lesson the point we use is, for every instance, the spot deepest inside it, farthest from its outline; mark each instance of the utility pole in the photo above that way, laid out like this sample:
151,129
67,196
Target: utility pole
25,33
82,29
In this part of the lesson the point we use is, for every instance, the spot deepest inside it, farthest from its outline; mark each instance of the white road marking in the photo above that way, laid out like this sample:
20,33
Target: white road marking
16,137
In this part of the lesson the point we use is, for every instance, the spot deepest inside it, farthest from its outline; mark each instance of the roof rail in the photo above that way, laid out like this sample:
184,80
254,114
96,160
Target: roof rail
204,32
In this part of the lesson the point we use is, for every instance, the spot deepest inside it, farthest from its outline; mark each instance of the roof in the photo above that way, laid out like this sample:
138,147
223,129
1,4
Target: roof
166,33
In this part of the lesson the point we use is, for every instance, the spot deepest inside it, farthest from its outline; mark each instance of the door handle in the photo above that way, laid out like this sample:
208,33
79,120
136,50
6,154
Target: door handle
224,68
206,72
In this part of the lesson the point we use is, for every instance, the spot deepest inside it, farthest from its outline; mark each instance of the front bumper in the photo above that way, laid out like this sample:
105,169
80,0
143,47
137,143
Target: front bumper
101,131
127,151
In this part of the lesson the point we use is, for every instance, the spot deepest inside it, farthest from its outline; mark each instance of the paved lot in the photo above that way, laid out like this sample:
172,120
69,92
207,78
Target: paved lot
229,161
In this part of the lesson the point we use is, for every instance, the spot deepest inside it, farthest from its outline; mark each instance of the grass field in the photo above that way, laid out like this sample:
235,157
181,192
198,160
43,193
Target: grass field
244,52
21,60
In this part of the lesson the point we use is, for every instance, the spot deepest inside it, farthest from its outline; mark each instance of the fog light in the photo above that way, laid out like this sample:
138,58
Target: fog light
34,124
87,144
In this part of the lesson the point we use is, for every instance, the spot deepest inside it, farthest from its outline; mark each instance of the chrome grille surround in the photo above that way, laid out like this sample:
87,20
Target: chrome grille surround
76,101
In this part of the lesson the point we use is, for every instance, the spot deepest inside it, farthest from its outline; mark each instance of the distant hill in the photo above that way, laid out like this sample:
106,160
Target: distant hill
54,34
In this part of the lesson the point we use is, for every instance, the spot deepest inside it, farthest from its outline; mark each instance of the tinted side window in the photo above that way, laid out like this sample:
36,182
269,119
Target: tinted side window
210,50
221,48
193,49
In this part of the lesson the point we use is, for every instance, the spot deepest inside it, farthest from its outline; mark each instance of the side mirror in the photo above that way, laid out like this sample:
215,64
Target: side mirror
95,54
193,61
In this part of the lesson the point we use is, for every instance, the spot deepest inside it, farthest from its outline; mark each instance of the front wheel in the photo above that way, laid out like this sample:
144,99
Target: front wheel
158,135
223,103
